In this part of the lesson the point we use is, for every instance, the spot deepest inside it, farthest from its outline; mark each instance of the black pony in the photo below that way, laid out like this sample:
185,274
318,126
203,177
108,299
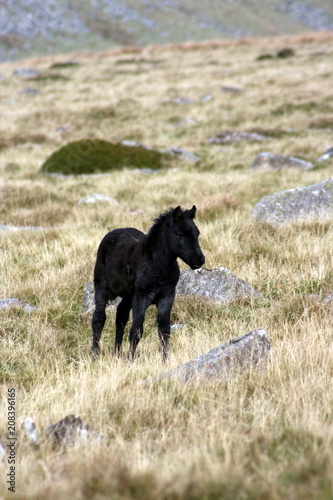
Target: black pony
142,269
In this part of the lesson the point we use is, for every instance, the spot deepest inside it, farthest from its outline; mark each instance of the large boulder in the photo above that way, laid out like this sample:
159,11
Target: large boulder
270,161
224,361
302,204
218,285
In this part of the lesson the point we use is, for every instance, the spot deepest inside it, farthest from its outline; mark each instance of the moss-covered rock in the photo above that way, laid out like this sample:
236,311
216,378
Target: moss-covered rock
90,156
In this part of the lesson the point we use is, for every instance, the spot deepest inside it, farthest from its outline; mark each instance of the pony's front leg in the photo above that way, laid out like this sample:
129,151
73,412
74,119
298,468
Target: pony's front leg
164,307
122,316
139,307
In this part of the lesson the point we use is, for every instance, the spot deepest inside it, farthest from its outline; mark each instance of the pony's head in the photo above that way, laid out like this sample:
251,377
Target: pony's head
184,235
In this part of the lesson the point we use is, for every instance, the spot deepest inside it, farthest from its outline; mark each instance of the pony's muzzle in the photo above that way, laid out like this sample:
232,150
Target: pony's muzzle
198,261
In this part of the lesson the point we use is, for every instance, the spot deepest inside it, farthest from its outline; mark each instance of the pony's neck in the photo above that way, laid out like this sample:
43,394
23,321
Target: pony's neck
157,245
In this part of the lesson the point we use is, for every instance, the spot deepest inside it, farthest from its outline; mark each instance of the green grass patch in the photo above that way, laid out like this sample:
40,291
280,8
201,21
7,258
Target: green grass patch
96,156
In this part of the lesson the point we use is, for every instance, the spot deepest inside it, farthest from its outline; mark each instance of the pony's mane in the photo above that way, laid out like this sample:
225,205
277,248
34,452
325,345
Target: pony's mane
158,223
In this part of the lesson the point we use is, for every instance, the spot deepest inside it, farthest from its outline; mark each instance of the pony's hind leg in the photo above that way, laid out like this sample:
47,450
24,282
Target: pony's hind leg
139,306
98,318
123,311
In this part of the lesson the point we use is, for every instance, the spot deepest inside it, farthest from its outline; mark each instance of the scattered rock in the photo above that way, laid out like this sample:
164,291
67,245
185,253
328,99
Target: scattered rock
219,285
4,228
326,156
206,97
88,302
71,431
302,204
183,154
180,101
232,137
230,89
26,72
136,144
62,129
328,299
17,303
29,91
3,452
30,430
96,198
270,161
226,360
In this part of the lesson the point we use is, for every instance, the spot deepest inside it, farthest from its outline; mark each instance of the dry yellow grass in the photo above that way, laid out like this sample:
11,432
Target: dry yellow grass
265,434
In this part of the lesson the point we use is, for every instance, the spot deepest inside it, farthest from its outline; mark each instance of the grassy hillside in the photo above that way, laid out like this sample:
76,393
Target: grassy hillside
30,27
264,434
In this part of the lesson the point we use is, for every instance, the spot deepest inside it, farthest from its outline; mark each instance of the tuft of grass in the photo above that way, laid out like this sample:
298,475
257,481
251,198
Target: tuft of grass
95,156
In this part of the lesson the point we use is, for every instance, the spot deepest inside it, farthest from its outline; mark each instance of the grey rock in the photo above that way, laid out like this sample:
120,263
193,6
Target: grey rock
96,198
219,285
17,303
206,97
302,204
232,137
230,89
71,431
62,129
30,430
183,154
26,72
326,156
88,303
4,228
224,361
3,452
270,161
328,299
29,91
179,100
136,144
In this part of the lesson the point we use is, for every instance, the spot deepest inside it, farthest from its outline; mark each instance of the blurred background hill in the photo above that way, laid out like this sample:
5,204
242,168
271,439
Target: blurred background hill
31,27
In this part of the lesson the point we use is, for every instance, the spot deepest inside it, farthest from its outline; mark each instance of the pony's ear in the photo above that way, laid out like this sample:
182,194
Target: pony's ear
191,213
177,213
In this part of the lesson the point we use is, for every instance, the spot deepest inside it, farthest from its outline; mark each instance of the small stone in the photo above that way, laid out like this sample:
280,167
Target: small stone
232,137
183,154
230,89
4,228
30,91
71,431
328,299
26,72
17,303
206,97
270,161
326,156
96,198
30,430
